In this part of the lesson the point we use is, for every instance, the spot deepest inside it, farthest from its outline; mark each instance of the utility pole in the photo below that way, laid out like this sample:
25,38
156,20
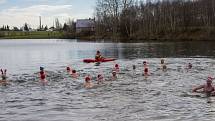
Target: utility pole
40,22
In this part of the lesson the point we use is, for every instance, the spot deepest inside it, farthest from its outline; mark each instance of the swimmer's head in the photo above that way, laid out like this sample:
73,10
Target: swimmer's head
116,65
41,68
162,61
114,73
134,67
87,79
73,71
164,67
190,65
209,79
144,62
4,77
68,68
98,52
99,76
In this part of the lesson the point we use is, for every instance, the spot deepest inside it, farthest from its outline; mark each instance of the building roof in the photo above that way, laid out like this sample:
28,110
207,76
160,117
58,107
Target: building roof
84,23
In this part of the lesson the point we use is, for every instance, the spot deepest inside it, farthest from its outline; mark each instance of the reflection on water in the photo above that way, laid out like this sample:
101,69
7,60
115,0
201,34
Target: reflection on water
163,96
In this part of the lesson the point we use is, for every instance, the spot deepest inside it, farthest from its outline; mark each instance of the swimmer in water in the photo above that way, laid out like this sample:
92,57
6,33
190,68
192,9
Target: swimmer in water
144,64
146,72
116,68
190,66
146,69
163,65
207,88
164,68
68,69
100,79
88,83
42,75
134,67
74,74
114,75
4,77
162,61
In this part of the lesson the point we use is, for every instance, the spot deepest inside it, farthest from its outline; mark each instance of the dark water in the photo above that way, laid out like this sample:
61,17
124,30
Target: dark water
164,96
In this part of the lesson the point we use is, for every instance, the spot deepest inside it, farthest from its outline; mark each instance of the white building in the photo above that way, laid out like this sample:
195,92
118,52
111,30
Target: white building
85,25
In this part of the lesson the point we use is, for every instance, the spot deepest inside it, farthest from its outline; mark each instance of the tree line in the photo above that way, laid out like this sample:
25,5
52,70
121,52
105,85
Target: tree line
68,26
154,19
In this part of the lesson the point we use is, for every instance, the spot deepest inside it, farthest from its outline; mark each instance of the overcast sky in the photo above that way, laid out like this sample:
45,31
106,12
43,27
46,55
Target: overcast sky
17,12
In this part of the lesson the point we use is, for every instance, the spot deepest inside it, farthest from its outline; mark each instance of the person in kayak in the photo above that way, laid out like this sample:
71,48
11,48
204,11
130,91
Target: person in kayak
88,83
100,79
207,88
98,56
43,75
4,77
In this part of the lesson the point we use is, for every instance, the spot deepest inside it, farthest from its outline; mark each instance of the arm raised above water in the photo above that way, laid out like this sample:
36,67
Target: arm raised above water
198,88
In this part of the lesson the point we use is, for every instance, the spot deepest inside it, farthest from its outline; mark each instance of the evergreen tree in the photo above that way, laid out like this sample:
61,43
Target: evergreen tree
26,28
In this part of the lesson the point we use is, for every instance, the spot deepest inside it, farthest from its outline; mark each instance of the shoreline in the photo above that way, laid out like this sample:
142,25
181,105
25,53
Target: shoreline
63,35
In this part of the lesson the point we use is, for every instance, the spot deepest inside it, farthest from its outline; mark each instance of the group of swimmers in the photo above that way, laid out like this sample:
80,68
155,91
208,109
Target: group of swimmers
207,88
88,83
100,78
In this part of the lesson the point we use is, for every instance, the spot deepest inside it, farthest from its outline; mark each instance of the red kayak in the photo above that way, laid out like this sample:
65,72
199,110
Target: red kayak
102,60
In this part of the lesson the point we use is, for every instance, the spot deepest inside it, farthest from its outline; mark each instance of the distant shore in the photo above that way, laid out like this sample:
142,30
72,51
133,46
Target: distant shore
189,35
31,35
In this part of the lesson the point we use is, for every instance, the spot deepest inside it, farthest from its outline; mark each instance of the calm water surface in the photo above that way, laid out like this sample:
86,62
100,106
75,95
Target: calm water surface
163,96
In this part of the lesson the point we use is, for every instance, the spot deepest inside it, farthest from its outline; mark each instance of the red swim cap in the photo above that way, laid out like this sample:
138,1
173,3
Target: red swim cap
146,70
116,65
87,78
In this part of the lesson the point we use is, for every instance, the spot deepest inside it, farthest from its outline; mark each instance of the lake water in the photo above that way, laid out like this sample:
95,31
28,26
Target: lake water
163,96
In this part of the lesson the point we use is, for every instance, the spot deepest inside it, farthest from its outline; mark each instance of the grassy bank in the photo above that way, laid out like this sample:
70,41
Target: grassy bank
179,34
31,35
